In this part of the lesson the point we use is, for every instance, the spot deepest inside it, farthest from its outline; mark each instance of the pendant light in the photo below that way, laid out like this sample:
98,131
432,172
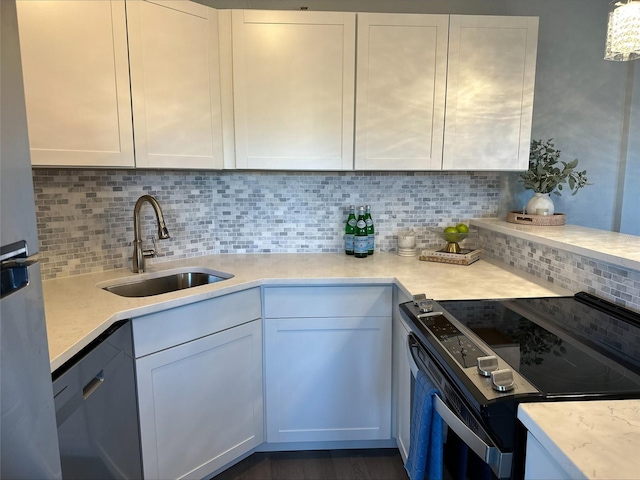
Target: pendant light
623,31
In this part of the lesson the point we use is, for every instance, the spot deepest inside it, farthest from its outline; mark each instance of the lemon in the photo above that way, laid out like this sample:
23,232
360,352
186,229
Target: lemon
462,228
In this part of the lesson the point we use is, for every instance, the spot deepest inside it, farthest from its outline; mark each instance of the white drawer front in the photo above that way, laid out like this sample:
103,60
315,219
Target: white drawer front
172,327
340,301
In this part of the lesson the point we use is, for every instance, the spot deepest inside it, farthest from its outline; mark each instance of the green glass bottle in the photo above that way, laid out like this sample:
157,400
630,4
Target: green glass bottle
360,238
349,230
371,233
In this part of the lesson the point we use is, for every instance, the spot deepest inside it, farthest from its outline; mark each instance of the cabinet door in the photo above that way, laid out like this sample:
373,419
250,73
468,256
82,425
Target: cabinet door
175,84
201,403
402,374
328,379
401,82
76,80
293,79
490,84
540,464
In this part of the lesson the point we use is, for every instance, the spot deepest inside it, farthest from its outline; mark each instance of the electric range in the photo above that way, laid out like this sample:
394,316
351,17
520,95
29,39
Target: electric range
487,356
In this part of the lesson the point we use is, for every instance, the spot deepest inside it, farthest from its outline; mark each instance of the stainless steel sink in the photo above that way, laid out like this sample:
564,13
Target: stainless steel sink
165,283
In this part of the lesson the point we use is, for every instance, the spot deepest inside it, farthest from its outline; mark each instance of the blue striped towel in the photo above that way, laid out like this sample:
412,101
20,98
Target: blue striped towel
425,460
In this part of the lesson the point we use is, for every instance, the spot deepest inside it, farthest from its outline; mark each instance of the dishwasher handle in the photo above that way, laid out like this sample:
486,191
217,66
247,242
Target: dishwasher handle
93,385
499,462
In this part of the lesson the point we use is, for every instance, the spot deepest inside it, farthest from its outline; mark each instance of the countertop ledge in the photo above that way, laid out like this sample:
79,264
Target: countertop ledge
596,440
616,248
77,310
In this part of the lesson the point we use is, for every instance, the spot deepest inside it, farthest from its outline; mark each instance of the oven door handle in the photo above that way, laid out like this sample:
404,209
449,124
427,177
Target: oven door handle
499,462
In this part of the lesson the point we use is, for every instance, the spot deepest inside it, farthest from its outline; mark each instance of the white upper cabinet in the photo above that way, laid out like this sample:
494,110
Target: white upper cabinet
278,90
86,62
293,79
76,79
490,84
408,65
400,93
175,83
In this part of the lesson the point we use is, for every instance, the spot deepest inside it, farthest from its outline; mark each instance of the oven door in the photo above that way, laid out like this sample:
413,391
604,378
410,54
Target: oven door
478,441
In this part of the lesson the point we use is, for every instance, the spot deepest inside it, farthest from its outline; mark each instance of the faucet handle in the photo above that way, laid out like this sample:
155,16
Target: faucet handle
151,252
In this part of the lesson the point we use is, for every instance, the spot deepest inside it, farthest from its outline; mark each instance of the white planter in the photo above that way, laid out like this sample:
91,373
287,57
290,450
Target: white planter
540,202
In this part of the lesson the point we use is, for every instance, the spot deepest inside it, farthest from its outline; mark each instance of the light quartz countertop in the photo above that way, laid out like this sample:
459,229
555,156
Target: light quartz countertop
596,440
612,247
78,310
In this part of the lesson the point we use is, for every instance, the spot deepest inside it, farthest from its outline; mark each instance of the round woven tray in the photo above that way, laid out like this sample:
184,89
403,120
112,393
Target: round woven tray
539,220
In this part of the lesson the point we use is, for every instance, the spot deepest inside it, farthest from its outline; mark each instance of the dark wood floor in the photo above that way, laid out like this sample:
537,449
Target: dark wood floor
374,464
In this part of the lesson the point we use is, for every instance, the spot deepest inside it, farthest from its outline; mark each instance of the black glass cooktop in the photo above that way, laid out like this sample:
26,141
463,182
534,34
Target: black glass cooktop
560,345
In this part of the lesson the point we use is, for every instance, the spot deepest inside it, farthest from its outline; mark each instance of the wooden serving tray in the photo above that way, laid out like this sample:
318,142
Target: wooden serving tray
556,219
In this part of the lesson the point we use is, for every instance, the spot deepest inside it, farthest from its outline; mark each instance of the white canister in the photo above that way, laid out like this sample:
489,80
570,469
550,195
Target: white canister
407,239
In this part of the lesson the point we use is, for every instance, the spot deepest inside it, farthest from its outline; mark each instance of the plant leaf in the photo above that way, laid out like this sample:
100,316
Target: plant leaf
547,173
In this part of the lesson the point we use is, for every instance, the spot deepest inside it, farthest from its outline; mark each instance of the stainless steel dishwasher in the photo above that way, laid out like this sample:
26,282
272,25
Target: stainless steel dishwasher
96,409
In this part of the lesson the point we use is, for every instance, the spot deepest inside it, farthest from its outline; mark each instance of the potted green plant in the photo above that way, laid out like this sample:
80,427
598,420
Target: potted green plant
548,174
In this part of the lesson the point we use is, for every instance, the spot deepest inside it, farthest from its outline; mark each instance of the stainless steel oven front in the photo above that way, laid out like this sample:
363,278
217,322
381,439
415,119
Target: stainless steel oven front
457,415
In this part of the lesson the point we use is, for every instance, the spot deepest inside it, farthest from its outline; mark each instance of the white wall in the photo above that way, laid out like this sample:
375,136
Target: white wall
579,98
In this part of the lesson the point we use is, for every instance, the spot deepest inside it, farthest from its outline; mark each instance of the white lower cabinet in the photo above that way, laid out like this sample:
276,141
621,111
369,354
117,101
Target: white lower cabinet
540,464
200,402
199,367
402,375
328,363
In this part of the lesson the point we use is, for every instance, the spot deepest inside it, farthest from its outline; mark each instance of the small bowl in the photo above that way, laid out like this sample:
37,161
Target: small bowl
451,237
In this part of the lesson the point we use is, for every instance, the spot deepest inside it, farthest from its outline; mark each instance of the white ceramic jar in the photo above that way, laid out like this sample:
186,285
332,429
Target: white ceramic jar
407,239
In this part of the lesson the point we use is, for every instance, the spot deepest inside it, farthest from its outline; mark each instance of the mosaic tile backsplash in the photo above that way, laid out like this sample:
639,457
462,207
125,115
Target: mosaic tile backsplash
85,217
568,270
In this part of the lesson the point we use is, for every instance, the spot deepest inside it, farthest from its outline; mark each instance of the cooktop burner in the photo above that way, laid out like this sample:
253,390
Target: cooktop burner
560,345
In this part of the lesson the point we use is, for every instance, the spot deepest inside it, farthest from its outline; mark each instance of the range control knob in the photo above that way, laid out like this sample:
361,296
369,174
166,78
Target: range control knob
425,306
419,298
486,365
502,380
